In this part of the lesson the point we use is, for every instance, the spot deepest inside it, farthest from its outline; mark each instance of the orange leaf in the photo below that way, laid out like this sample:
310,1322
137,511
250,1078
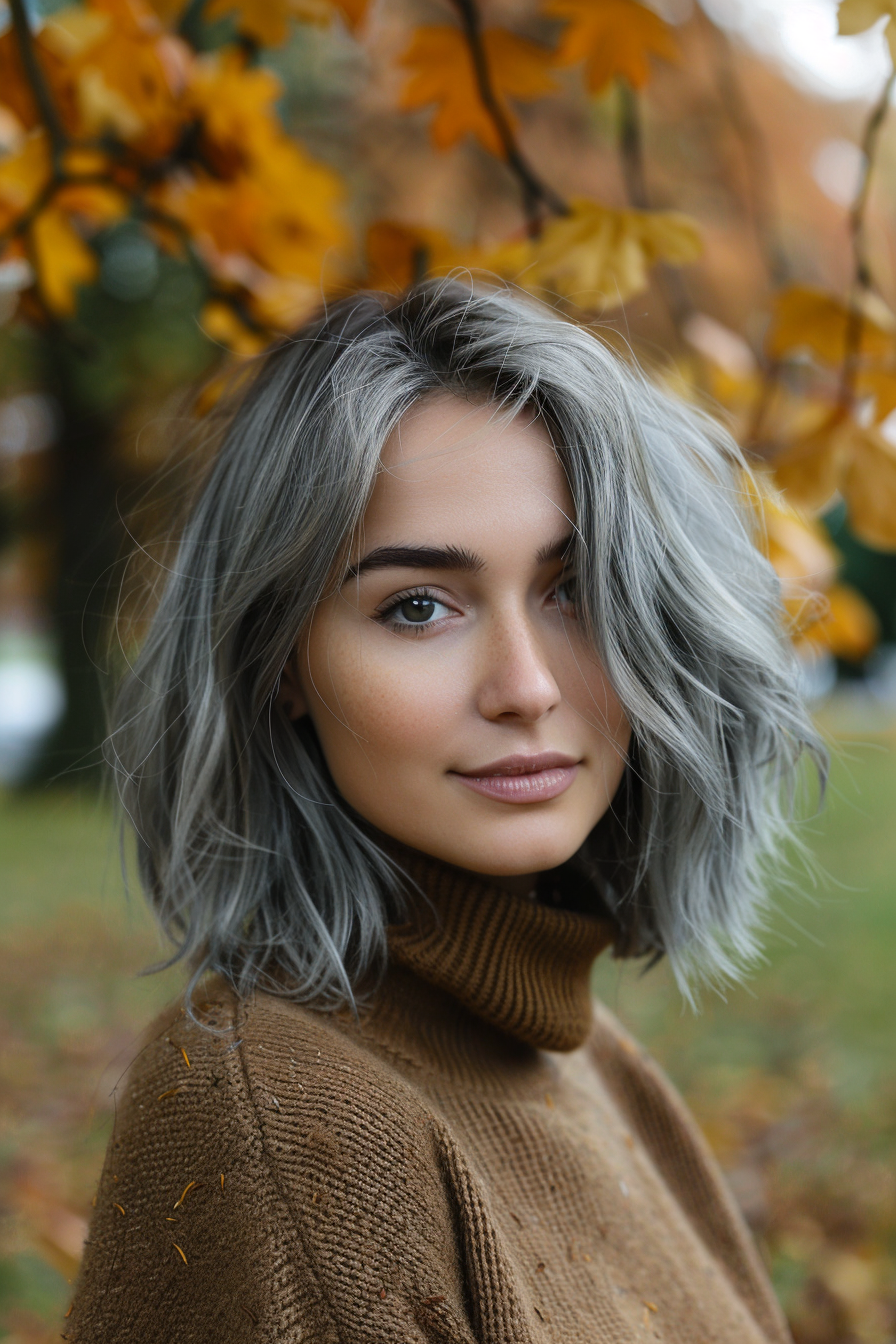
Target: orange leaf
881,384
615,38
398,254
810,319
23,174
443,74
869,486
235,103
62,259
810,468
847,627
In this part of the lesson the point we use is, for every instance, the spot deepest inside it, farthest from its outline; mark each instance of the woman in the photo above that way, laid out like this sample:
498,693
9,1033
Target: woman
467,668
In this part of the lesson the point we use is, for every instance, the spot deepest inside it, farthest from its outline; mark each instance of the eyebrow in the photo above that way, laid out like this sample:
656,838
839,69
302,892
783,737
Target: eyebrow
456,558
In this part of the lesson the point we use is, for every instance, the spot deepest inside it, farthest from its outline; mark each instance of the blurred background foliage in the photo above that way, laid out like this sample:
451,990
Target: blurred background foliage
709,183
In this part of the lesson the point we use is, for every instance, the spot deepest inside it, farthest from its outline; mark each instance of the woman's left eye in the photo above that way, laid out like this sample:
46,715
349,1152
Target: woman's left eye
567,595
414,611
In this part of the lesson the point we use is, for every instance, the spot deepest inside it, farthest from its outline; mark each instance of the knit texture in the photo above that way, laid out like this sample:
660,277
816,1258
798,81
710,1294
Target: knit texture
479,1159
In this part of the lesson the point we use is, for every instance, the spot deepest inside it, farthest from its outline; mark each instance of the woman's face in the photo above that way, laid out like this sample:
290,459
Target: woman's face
458,705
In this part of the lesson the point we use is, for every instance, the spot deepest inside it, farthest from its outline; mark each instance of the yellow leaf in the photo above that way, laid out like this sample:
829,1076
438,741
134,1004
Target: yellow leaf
880,384
800,551
62,258
23,174
615,38
283,302
130,80
809,469
221,324
846,627
282,217
443,74
869,486
596,255
105,109
72,31
235,104
810,319
96,203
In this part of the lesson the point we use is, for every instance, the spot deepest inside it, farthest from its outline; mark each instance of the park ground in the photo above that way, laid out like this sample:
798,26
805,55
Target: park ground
792,1076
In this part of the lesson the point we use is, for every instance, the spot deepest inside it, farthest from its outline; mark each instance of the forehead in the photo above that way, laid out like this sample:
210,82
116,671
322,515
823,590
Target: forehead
460,472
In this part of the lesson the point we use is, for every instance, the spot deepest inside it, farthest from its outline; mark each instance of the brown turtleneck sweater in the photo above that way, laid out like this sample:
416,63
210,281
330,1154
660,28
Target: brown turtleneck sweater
481,1159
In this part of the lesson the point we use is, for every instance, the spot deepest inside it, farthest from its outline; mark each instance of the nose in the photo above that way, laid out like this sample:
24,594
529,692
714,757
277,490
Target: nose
516,681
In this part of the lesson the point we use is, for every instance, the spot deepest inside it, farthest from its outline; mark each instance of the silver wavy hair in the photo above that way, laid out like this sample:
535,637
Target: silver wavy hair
255,866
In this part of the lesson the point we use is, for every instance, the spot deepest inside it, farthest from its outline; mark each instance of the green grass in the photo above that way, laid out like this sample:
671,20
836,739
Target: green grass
827,984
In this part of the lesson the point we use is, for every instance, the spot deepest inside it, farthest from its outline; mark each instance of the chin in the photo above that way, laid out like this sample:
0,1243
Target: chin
504,856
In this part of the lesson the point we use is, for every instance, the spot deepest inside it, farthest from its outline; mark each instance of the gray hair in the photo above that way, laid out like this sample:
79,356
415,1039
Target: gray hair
254,864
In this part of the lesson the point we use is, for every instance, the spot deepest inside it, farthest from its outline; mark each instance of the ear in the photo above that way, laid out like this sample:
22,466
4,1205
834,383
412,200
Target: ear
290,696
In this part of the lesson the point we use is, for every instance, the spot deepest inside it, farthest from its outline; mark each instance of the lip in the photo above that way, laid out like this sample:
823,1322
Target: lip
522,779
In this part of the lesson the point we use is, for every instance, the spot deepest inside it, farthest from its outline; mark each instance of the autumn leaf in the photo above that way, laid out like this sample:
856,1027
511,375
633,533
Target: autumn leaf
813,320
62,259
221,324
23,175
615,39
846,626
235,104
810,468
879,383
282,217
800,551
397,254
598,256
443,73
856,16
869,487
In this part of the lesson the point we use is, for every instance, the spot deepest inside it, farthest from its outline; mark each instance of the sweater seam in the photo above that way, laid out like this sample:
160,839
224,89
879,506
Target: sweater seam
281,1192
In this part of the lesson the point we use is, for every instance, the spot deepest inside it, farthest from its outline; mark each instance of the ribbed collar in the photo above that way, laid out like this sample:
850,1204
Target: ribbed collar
522,966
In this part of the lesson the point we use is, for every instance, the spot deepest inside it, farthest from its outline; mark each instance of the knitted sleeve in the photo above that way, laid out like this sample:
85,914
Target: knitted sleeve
191,1239
258,1187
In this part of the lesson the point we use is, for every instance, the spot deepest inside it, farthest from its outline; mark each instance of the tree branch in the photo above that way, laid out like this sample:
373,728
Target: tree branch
536,194
34,74
863,281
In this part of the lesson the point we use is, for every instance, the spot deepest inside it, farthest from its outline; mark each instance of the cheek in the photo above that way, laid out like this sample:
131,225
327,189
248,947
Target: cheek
375,706
587,690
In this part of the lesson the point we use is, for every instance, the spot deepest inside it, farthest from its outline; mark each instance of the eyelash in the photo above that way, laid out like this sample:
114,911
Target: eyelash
384,613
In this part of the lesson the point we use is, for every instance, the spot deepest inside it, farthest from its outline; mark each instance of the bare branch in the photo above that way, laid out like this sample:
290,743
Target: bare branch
34,74
537,195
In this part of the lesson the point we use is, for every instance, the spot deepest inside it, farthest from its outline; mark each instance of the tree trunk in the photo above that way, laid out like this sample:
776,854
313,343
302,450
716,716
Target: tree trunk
83,531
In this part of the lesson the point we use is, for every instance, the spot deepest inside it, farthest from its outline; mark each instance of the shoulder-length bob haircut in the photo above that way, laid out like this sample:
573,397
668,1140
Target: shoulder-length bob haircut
255,866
